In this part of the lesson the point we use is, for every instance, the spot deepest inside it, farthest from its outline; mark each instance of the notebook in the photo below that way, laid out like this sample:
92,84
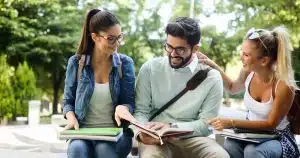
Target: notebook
250,137
106,134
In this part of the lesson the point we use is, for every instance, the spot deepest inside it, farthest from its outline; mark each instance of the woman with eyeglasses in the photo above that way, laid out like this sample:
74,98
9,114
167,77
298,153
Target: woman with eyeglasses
103,92
268,80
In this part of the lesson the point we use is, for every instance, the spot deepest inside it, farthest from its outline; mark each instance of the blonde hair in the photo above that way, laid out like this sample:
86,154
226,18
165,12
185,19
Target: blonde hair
277,45
284,70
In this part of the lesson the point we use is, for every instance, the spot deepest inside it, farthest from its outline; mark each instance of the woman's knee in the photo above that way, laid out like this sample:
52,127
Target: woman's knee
234,148
269,149
78,148
104,146
250,151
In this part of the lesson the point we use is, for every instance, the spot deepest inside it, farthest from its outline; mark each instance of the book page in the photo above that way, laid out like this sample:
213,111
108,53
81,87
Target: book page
163,132
174,132
148,131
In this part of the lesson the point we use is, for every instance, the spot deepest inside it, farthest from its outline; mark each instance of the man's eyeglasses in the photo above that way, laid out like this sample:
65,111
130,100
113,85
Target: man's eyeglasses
257,34
112,39
178,50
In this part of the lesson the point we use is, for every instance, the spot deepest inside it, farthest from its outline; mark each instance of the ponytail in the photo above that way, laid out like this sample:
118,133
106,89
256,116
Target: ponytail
86,43
284,70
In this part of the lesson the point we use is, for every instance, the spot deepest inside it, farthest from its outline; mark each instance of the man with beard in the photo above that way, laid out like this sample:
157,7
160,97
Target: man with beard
162,78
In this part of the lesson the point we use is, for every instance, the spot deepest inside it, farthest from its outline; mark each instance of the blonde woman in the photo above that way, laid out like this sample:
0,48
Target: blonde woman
268,80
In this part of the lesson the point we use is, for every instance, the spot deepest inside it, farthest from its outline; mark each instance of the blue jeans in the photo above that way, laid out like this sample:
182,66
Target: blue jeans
99,149
239,149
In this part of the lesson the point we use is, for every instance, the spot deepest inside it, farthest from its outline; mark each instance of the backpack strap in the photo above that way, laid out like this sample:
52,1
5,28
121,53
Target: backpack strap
190,85
81,63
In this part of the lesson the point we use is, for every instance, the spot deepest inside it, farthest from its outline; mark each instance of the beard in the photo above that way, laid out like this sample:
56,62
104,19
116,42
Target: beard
183,61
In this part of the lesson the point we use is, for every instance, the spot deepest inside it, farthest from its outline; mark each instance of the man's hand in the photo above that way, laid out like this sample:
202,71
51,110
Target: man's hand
72,121
122,112
146,139
157,126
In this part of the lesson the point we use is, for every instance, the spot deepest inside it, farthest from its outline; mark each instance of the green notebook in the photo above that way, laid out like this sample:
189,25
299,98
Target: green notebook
94,131
104,134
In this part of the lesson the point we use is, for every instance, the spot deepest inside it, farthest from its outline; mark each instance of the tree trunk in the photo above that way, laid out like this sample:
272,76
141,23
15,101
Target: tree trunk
57,79
55,98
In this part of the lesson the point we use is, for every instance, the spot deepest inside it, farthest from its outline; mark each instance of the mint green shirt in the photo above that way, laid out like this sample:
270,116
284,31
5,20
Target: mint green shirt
157,83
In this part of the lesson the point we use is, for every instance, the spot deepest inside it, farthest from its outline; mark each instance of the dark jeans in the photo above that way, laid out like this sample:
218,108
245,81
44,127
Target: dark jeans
242,149
100,149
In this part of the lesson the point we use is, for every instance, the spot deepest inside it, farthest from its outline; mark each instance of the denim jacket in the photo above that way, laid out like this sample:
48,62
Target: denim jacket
77,95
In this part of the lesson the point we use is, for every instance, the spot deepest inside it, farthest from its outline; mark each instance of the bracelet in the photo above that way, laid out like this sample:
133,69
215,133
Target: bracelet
232,123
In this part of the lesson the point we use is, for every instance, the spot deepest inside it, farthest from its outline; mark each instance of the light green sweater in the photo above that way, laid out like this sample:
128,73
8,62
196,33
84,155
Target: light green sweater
157,83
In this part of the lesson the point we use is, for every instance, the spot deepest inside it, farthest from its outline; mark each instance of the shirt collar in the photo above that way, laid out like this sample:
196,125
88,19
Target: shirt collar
193,65
116,60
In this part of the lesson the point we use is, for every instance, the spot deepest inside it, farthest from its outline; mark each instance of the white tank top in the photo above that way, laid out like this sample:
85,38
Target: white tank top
258,110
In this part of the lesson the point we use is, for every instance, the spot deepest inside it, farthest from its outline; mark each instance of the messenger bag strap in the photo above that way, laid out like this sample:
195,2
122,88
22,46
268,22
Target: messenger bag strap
191,85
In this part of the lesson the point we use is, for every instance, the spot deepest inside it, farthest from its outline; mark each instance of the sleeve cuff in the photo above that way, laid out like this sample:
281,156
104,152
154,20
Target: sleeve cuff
66,109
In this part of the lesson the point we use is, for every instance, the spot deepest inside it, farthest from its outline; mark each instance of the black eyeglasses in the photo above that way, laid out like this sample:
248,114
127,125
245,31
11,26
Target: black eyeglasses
256,34
112,39
178,50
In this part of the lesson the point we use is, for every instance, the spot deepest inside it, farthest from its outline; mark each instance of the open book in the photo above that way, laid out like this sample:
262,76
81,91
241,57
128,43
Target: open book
250,137
164,133
107,134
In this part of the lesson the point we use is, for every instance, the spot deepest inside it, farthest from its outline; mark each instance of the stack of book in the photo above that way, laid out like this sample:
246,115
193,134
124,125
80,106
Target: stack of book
106,134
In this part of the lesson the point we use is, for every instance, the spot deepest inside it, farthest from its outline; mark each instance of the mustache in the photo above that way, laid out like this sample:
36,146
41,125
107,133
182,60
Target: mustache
178,57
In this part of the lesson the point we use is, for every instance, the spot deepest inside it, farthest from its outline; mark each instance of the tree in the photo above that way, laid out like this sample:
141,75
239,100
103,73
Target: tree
218,46
24,87
266,14
44,34
7,94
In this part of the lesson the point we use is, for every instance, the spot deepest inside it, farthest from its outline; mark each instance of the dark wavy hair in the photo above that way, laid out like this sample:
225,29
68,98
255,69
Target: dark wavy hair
185,28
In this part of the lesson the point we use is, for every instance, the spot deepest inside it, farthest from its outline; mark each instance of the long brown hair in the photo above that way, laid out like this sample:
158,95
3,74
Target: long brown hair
96,20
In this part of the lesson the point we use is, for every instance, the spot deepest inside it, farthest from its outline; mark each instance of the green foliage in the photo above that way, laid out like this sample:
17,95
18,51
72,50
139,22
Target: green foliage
17,87
7,93
43,33
221,48
24,86
266,14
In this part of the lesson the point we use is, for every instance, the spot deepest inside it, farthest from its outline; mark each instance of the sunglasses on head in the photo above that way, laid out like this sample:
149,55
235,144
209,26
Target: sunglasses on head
254,34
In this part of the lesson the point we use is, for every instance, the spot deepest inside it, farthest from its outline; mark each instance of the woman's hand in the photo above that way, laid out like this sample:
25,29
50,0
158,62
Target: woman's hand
221,123
204,59
122,112
72,121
